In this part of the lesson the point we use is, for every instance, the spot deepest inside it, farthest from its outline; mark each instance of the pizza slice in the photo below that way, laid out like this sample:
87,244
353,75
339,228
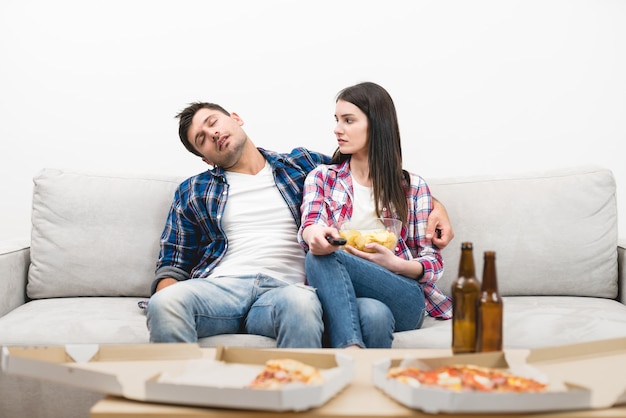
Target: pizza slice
278,372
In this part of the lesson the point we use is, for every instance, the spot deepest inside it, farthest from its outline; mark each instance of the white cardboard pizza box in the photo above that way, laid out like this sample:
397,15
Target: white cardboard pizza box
235,367
173,373
582,376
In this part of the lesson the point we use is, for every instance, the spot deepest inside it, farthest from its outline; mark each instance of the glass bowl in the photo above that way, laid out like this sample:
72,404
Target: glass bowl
384,231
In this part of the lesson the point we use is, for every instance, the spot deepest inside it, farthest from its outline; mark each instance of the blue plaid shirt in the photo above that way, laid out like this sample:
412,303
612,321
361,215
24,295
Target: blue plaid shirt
193,241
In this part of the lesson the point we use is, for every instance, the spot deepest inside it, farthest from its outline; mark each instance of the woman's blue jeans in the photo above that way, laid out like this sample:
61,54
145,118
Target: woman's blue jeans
363,302
261,305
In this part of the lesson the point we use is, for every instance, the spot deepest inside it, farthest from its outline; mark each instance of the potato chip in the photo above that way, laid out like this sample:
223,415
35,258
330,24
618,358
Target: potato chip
359,240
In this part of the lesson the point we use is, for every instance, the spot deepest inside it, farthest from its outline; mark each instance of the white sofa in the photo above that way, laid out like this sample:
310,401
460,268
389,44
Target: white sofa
95,239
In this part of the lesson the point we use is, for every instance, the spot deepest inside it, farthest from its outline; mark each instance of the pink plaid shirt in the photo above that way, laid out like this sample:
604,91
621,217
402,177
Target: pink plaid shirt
327,200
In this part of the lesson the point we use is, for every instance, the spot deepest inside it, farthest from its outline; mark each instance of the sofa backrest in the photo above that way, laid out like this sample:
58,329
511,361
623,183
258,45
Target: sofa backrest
96,234
554,233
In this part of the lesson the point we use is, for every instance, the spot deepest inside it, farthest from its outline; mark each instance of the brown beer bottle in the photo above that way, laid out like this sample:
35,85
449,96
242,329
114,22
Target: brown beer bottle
490,308
465,290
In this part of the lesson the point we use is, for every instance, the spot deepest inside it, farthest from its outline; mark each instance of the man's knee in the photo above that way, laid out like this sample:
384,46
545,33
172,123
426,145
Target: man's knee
301,304
164,301
303,299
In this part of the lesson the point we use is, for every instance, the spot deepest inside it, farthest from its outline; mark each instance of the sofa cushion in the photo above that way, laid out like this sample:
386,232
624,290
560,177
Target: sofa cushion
58,321
96,234
94,320
554,232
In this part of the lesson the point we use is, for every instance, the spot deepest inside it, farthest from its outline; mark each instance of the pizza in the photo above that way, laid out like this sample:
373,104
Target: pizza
463,377
278,372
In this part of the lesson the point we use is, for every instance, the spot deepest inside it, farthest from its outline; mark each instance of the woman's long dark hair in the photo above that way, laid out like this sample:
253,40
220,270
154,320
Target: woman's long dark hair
389,180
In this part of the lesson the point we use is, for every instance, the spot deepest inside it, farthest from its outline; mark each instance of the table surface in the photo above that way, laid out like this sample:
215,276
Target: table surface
359,399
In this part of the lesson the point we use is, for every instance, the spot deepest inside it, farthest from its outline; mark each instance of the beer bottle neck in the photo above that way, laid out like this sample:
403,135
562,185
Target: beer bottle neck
490,280
466,266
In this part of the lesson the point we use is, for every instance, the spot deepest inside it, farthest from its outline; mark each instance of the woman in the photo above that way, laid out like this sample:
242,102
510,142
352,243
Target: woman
368,295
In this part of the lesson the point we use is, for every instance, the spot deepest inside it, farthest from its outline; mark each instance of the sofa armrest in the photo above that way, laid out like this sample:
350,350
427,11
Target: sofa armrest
14,262
621,271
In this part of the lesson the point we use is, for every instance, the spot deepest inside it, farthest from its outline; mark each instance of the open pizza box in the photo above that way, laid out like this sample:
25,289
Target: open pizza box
181,374
579,376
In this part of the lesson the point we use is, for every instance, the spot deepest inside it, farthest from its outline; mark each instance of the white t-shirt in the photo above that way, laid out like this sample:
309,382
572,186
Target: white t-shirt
363,210
261,232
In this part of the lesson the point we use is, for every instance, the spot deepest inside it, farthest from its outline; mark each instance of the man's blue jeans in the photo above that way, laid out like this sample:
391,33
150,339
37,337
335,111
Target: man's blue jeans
261,305
363,302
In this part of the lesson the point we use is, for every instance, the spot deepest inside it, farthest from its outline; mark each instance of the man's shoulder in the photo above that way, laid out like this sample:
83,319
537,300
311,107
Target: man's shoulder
197,180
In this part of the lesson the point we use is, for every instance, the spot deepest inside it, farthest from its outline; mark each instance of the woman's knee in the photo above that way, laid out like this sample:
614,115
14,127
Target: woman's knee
373,311
377,323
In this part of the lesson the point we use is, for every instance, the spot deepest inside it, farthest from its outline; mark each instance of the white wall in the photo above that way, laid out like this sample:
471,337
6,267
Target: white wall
489,86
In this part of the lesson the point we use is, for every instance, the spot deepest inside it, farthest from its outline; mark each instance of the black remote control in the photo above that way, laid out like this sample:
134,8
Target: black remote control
336,241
